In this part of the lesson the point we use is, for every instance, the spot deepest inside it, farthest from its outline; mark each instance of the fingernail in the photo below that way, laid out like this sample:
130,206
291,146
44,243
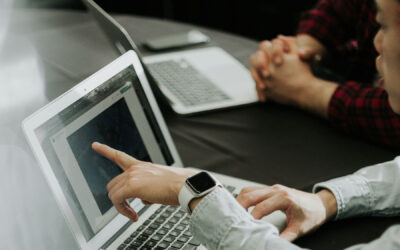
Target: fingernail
278,60
265,73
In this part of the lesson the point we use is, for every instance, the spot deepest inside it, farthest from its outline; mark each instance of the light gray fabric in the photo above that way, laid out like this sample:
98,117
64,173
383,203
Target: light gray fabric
219,222
372,190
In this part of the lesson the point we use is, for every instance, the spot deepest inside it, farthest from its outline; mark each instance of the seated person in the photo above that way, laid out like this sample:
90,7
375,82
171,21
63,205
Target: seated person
340,32
220,222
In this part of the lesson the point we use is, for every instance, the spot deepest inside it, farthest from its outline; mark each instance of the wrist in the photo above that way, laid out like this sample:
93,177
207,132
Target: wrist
316,95
329,202
193,203
179,182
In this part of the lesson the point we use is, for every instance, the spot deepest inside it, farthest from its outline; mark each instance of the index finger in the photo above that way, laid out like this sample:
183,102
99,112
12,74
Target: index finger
120,158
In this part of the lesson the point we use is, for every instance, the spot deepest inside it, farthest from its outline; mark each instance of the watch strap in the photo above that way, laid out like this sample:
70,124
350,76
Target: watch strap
185,196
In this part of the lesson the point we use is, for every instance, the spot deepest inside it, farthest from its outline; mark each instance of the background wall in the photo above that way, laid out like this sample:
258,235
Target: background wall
257,19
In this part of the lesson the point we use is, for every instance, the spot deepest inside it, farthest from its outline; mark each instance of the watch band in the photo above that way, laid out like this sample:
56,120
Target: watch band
185,197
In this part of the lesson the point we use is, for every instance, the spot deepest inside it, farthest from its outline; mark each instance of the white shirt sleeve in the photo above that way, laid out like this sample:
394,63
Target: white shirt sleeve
219,222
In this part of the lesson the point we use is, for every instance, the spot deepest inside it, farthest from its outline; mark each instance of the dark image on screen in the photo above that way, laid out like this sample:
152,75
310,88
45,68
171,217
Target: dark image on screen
115,128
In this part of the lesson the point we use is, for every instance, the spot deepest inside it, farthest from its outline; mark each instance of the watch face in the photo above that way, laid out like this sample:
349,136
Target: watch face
201,182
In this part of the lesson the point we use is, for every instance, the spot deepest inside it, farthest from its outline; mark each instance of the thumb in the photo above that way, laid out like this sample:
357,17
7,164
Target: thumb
290,233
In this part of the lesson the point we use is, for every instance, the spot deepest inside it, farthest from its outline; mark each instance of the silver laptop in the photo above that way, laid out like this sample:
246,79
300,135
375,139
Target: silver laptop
114,106
194,80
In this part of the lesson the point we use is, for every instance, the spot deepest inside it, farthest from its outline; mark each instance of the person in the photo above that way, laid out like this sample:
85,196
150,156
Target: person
220,221
337,34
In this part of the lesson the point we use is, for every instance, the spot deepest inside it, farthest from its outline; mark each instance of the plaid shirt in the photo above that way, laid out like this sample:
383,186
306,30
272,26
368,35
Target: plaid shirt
347,29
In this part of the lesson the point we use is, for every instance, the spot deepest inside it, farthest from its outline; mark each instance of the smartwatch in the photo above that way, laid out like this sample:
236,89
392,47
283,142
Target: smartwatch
196,186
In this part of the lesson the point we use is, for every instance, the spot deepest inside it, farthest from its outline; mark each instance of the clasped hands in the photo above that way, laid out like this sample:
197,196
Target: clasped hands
281,69
154,183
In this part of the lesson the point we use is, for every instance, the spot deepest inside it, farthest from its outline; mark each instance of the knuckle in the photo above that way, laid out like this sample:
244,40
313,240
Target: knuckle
277,187
245,190
284,193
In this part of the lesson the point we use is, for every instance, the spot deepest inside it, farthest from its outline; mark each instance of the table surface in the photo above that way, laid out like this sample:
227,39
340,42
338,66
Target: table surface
46,52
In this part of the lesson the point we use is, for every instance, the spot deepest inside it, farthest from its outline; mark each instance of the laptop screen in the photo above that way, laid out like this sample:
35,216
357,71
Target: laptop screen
116,113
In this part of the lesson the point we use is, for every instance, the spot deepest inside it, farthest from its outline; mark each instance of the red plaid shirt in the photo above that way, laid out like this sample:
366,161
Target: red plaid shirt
347,29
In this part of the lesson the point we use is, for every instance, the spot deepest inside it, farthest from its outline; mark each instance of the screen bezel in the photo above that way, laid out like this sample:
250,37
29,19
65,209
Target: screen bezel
37,119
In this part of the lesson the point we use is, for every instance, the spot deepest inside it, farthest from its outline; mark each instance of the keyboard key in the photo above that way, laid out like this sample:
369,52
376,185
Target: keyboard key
171,209
185,221
177,244
164,244
150,244
148,231
154,226
189,247
169,238
142,238
180,227
175,233
173,220
168,226
122,246
162,231
160,220
166,214
180,214
183,239
135,244
156,237
194,242
187,233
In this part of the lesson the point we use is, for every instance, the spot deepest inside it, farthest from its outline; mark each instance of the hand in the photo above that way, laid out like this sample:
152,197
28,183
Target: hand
149,182
305,212
292,81
286,82
272,52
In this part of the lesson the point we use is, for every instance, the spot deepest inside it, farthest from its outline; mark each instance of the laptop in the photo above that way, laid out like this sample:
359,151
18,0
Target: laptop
192,81
114,106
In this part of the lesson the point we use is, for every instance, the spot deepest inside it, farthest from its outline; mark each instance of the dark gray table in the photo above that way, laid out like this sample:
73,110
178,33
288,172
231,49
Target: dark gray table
266,143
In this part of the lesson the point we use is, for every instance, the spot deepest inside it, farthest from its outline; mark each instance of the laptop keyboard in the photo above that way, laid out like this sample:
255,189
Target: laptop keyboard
166,228
187,84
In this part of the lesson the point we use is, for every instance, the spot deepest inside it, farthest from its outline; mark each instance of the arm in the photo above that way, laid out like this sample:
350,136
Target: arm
332,22
372,190
218,220
231,227
365,111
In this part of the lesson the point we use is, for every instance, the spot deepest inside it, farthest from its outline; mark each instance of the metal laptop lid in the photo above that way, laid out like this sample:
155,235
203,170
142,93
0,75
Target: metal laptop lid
114,106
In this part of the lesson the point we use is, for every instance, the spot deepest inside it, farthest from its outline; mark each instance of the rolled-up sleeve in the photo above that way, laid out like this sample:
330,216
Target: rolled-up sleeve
373,190
219,222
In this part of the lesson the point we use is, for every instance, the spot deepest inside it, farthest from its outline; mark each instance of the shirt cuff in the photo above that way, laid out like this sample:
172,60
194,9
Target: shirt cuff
215,216
352,193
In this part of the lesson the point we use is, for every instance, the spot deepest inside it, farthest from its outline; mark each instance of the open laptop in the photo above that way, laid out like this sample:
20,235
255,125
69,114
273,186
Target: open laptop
194,80
114,106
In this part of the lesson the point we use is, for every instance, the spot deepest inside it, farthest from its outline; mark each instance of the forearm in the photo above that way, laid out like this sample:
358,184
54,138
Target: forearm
365,111
372,190
316,96
219,222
